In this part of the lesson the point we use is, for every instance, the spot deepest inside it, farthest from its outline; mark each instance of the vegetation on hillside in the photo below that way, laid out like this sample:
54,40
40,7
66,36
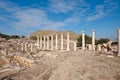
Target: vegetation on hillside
88,40
33,37
102,40
10,36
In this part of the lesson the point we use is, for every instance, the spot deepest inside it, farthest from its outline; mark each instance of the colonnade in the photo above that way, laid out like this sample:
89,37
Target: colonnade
27,47
98,46
93,40
46,42
51,42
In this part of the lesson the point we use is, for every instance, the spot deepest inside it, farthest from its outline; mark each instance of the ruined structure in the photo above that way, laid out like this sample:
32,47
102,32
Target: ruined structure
20,54
48,42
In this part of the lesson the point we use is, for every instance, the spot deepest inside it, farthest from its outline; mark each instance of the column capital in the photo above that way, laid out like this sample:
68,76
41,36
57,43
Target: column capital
83,31
118,29
93,30
83,40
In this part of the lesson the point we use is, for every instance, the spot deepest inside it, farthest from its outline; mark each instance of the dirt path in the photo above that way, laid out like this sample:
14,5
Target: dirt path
87,67
82,65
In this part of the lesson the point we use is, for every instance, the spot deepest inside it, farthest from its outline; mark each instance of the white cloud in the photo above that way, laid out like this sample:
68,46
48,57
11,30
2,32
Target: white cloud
54,26
36,18
95,17
8,6
27,18
65,6
100,13
102,10
2,18
30,18
72,20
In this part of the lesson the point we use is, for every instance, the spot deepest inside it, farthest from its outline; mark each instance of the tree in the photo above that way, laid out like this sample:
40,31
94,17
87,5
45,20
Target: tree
4,36
33,38
88,40
8,36
102,40
22,36
15,36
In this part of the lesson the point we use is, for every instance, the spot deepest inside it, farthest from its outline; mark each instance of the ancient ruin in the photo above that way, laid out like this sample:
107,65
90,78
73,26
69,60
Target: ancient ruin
57,55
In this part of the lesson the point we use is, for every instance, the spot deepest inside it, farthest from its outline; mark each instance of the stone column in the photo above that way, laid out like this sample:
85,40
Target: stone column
118,42
89,46
25,47
22,47
68,48
74,45
83,40
61,41
37,42
47,42
93,40
44,43
99,48
56,45
51,42
41,42
31,47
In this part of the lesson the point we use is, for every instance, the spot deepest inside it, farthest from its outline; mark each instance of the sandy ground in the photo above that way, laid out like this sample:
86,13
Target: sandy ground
80,65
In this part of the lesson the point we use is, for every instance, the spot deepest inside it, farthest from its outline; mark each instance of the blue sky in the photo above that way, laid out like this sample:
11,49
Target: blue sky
23,17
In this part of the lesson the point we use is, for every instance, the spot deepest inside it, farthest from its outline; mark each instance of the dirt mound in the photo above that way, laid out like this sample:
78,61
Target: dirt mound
73,36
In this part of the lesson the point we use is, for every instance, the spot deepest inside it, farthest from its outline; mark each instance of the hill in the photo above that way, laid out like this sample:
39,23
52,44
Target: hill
73,36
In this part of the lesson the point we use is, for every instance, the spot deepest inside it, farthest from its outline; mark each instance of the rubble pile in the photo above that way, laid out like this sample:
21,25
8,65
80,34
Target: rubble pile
19,60
16,53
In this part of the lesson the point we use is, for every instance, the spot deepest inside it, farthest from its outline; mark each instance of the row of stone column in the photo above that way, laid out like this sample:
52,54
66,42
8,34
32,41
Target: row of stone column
61,45
93,40
25,45
41,44
42,40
